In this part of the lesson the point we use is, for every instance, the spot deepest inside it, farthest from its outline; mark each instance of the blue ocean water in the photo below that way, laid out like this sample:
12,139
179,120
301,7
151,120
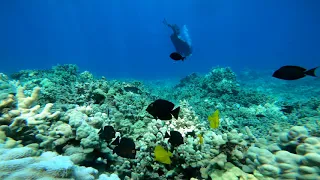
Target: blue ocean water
222,113
128,39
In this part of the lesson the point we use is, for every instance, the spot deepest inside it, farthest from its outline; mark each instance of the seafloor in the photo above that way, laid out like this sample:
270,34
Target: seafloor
50,119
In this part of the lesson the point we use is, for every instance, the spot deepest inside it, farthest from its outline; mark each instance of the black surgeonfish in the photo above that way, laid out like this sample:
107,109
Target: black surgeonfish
177,57
163,109
107,133
175,138
293,72
287,109
116,141
260,115
126,148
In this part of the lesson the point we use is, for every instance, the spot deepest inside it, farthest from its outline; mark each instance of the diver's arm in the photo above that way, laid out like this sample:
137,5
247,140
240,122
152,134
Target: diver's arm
165,22
174,27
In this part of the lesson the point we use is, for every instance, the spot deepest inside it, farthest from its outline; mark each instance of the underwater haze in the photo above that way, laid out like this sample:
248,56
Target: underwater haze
128,39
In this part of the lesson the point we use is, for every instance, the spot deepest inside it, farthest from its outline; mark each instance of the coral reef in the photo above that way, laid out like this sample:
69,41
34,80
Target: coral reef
50,122
18,162
295,156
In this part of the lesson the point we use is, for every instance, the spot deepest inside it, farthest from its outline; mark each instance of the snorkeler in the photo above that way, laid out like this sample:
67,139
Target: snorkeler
180,40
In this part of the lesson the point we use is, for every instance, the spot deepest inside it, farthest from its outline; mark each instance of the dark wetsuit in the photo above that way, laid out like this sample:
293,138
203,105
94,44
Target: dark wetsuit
181,46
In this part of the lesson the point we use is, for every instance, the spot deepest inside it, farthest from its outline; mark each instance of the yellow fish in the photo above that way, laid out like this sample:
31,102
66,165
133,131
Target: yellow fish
200,139
214,119
161,155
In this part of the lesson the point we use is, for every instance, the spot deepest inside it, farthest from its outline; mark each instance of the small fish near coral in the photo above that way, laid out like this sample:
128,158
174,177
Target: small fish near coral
293,72
177,57
175,138
191,133
287,109
260,115
126,148
163,109
132,89
107,133
200,136
214,119
162,155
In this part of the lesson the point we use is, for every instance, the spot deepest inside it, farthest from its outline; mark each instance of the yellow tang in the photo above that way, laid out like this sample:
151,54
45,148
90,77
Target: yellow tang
200,138
214,119
161,155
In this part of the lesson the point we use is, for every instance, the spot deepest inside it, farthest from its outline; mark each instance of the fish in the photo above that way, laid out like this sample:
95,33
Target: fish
163,110
293,72
287,109
162,155
107,133
177,56
132,89
116,141
214,119
200,138
260,115
108,112
175,138
191,133
126,148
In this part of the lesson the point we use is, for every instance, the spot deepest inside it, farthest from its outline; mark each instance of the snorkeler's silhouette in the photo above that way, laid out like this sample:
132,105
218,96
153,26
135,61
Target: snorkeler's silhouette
183,46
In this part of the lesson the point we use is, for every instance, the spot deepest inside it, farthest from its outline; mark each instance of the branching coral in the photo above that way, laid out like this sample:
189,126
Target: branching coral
27,114
7,92
7,102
